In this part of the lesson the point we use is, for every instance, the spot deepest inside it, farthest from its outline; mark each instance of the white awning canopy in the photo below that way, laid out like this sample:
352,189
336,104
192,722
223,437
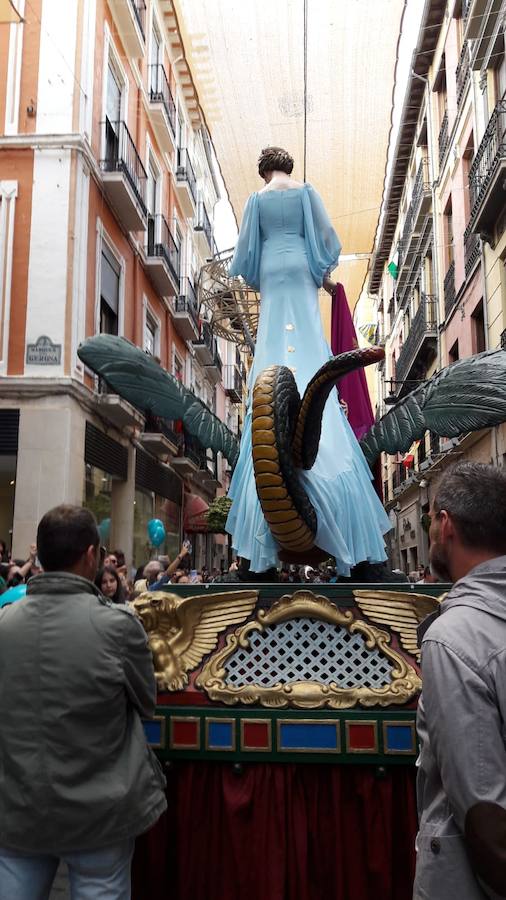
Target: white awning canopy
9,12
247,61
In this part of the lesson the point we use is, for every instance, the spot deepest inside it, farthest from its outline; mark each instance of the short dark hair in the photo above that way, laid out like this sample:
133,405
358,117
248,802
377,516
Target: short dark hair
274,158
474,495
63,536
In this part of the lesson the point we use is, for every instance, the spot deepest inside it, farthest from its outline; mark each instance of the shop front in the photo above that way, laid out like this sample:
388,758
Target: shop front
158,495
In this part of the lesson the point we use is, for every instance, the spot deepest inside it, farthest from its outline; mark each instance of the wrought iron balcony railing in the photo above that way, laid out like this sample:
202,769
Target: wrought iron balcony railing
400,475
217,361
491,150
233,382
443,137
187,300
424,325
421,185
161,243
449,289
466,6
207,338
185,171
406,232
463,72
163,426
203,223
472,250
160,92
121,156
139,10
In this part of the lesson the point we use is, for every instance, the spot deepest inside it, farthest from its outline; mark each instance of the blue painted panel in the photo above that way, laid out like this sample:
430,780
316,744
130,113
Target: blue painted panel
319,736
399,737
220,734
153,731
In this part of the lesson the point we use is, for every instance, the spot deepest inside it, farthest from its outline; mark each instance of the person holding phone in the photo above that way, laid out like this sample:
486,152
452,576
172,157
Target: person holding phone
176,564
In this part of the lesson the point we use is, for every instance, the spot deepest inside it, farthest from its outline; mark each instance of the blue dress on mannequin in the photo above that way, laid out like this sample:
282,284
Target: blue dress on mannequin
285,246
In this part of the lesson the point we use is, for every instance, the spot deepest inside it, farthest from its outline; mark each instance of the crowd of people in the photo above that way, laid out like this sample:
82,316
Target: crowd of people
119,585
78,781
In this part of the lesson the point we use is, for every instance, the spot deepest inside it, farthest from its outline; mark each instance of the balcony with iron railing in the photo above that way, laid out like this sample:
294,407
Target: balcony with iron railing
204,461
186,183
130,19
214,370
421,192
487,172
162,256
420,346
194,460
185,312
203,228
207,353
159,437
123,175
400,476
449,289
477,18
472,250
233,383
405,248
443,138
162,109
463,73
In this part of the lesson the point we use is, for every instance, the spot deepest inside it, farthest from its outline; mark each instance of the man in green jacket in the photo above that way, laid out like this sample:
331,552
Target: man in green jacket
78,781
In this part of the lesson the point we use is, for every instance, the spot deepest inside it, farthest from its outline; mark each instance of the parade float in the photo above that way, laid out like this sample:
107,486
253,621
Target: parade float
285,719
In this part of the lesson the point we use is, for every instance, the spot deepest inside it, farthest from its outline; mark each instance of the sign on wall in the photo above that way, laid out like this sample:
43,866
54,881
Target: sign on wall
43,352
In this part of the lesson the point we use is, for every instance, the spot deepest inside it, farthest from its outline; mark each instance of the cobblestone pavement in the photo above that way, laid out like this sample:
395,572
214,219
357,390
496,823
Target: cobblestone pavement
60,889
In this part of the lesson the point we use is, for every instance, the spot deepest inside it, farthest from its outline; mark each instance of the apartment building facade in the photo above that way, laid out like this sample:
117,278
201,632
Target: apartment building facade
107,190
438,269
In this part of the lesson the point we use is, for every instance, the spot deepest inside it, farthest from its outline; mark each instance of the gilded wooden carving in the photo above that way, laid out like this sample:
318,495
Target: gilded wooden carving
181,631
402,612
404,681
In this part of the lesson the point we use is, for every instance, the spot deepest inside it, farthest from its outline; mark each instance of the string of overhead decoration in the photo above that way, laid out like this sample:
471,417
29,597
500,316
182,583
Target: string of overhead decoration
305,88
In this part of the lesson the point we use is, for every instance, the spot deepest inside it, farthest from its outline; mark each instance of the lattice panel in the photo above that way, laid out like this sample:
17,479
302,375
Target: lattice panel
308,650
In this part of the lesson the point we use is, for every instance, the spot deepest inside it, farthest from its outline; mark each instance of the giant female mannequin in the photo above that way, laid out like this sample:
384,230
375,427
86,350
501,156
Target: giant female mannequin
286,248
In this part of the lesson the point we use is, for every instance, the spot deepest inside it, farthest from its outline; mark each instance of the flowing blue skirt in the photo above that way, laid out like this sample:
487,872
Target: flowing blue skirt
351,518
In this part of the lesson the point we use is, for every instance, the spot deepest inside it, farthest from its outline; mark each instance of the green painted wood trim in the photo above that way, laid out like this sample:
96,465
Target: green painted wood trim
381,758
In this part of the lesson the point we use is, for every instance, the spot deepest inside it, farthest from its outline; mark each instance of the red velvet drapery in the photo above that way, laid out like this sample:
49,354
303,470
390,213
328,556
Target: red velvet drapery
281,832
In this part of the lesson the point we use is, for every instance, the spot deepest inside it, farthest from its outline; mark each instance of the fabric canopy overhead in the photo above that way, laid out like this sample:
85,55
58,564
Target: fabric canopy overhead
8,12
247,62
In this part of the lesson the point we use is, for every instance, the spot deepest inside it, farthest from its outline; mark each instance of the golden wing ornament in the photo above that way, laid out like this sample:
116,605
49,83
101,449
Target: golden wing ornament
402,612
181,631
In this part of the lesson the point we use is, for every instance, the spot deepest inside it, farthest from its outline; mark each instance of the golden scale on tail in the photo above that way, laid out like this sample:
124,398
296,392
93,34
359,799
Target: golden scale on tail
285,436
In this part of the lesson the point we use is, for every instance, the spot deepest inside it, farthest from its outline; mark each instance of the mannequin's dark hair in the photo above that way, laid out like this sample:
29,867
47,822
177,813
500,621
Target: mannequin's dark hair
274,158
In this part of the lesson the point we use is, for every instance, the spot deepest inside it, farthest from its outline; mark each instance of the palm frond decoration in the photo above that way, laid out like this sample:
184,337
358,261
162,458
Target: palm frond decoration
138,378
466,396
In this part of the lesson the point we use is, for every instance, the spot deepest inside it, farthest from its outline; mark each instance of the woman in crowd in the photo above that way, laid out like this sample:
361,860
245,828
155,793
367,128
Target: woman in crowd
109,583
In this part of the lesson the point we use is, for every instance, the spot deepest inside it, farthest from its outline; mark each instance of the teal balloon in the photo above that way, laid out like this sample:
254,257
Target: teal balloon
104,530
13,594
156,532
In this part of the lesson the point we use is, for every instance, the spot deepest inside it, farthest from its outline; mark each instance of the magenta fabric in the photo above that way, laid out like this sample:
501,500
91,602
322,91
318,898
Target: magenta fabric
353,387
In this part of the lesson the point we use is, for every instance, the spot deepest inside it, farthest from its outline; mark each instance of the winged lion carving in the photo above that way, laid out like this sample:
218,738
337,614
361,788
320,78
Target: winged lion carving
181,631
402,612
